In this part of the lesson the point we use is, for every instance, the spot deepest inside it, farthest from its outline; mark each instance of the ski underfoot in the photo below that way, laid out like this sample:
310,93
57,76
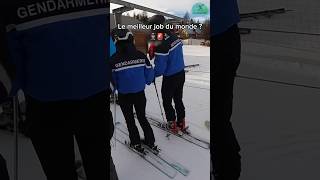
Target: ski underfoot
186,135
149,156
177,166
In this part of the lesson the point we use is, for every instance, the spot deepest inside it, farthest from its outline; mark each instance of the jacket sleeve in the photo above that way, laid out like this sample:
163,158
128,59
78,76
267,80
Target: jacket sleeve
112,50
160,62
114,79
148,72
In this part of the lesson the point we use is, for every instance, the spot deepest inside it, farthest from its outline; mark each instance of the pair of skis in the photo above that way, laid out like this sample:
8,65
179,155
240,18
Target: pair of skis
159,160
186,135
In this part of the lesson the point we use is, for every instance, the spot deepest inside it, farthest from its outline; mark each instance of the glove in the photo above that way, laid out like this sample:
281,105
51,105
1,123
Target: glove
151,51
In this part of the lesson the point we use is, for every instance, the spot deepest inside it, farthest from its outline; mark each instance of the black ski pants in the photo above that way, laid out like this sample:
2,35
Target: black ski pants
52,127
172,89
138,101
225,148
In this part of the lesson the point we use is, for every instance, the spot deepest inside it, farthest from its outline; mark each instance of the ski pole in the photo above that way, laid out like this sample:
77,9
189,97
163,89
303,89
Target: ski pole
155,86
15,126
164,122
114,116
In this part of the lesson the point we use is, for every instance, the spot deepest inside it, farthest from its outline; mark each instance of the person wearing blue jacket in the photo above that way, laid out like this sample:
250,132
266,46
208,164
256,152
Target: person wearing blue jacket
226,46
60,52
169,63
112,47
131,71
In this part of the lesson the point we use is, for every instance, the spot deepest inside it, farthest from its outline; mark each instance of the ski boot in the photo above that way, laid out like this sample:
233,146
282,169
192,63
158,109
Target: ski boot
182,128
154,148
138,148
172,126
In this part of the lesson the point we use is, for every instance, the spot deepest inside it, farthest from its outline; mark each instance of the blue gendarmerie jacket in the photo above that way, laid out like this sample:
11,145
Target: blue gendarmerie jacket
224,14
169,56
131,70
112,48
60,48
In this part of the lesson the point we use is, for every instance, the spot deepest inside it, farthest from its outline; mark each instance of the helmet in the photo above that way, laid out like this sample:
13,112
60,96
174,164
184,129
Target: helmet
156,19
121,35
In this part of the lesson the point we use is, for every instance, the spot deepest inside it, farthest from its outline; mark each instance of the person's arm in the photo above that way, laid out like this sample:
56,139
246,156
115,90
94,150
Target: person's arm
151,51
161,60
112,50
114,81
148,72
114,74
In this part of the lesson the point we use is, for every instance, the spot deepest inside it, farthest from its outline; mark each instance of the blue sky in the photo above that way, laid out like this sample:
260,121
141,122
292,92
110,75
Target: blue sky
176,7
